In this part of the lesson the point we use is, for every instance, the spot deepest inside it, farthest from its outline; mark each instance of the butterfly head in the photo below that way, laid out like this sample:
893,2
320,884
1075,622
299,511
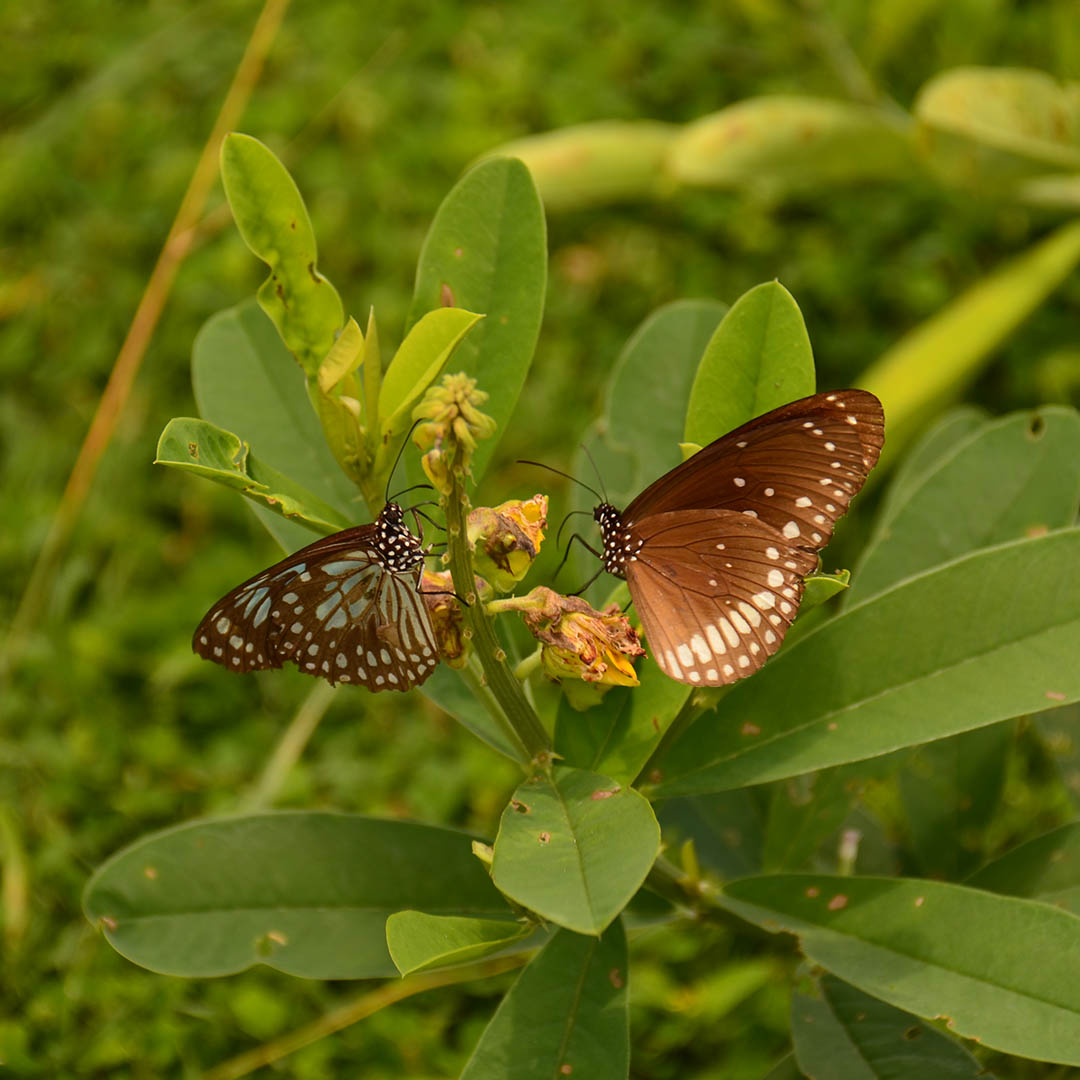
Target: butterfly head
398,549
620,544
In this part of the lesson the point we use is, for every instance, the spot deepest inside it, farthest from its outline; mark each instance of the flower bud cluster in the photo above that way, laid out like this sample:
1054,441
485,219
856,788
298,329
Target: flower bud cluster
453,424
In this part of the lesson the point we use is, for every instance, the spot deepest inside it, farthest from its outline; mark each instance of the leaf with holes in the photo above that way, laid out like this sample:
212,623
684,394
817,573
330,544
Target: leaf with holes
567,1015
306,893
574,848
922,946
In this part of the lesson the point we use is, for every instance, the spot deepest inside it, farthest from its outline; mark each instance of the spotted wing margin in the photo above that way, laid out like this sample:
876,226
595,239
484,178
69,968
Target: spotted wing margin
796,468
331,608
715,591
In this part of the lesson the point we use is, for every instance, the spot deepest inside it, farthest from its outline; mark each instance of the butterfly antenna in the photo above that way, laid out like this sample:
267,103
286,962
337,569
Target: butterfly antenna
592,462
405,491
559,472
397,460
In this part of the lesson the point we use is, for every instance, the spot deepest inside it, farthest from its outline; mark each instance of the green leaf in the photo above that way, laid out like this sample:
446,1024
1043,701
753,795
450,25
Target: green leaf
725,829
246,381
988,637
423,353
932,364
820,588
419,942
1016,477
999,969
201,448
844,1034
1046,868
574,848
787,1068
596,164
274,223
345,357
306,893
758,359
951,790
637,439
618,736
955,426
486,251
1027,117
773,146
567,1015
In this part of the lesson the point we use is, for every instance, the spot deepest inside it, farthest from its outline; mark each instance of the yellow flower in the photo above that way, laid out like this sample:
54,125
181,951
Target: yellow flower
506,539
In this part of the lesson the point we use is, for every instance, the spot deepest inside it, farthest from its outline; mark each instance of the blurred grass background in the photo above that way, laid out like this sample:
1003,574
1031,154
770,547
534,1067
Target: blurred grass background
111,727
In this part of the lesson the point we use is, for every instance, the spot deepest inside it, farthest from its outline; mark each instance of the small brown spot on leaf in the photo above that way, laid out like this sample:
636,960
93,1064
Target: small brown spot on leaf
314,273
565,1069
1036,530
655,776
458,252
1055,695
656,723
750,729
193,449
292,224
813,892
108,922
150,872
504,319
278,937
838,902
446,295
519,806
544,838
616,979
832,725
912,1033
604,793
920,900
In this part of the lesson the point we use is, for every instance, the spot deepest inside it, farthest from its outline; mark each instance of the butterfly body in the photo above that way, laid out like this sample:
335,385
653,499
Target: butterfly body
715,552
346,608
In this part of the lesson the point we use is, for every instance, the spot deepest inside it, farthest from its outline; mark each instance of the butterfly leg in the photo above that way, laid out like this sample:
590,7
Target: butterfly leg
566,555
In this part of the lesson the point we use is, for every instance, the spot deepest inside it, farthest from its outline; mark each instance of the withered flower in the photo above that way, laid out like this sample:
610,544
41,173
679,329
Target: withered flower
577,641
447,621
506,539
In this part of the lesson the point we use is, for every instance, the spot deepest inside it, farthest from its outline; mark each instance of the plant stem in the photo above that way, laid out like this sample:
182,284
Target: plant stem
498,677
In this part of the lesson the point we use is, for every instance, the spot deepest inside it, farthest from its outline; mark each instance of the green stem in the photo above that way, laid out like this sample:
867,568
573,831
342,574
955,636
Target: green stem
482,692
529,664
498,677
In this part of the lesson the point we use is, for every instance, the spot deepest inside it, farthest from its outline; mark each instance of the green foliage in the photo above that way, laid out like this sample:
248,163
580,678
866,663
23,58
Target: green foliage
922,946
574,848
568,1008
843,1033
111,729
290,890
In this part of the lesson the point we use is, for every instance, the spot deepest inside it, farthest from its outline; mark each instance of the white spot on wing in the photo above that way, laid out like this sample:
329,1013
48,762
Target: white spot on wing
802,500
728,631
775,578
715,640
791,530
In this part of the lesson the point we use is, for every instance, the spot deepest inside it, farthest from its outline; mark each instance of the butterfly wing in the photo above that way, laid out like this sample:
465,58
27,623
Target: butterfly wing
715,591
796,468
334,610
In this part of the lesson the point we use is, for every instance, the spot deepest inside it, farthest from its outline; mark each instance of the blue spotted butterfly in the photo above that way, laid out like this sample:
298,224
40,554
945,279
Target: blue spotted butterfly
347,608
